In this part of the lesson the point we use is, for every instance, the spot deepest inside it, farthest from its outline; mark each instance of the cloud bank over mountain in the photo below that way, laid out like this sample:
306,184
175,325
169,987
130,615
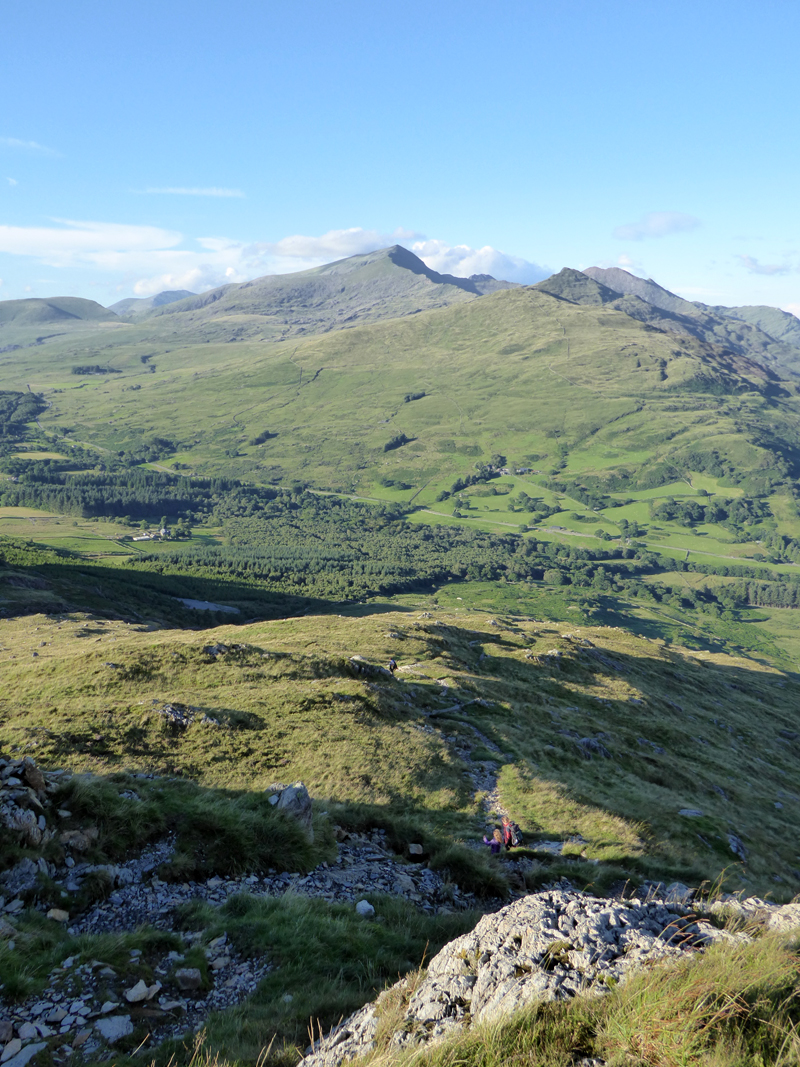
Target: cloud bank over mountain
148,259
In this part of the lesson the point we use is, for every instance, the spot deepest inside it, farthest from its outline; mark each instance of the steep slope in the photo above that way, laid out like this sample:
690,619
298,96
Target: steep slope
137,308
778,324
740,330
645,288
591,735
577,287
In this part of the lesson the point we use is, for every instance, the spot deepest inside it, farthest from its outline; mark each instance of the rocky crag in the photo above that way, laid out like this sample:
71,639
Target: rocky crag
550,945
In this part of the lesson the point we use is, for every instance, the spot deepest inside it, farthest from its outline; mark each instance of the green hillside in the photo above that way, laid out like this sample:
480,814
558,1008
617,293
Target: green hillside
779,324
518,373
596,738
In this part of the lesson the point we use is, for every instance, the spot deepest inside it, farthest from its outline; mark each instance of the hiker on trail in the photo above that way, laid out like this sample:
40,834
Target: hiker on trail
495,842
512,835
392,666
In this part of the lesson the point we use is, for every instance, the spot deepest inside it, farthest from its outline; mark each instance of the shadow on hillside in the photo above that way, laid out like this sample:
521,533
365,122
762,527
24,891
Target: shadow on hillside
650,734
155,598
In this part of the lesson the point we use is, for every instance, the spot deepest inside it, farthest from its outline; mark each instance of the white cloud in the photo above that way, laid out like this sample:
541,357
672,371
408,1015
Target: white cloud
793,309
336,244
149,259
463,261
27,146
656,224
752,266
12,181
84,242
183,191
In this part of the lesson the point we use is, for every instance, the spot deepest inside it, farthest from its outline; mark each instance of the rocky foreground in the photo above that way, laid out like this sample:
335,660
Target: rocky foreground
551,945
87,1007
554,944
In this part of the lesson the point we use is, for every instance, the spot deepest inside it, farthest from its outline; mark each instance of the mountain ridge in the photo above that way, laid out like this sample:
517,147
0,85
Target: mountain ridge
743,333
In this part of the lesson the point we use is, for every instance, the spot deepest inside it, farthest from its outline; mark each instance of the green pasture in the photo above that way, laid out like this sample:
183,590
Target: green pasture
38,455
63,531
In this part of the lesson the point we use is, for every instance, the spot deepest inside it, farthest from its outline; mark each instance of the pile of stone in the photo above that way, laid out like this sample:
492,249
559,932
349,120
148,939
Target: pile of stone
181,716
551,945
88,1006
91,1005
364,865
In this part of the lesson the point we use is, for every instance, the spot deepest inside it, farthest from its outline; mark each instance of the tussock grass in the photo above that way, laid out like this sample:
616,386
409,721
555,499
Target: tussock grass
216,831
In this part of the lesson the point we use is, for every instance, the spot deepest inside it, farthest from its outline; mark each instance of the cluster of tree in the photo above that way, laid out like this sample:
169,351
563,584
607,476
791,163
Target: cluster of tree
760,594
588,497
261,438
536,505
484,473
305,544
136,494
16,411
780,548
94,368
743,511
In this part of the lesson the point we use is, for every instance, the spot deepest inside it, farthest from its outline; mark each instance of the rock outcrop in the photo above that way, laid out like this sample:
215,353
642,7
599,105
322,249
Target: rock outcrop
547,946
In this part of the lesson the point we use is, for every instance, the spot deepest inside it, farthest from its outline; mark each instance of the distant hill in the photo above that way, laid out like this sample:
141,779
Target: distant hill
745,331
137,307
57,309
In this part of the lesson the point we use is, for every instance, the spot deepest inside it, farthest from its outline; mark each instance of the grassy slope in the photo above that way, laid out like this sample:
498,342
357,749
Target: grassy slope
291,708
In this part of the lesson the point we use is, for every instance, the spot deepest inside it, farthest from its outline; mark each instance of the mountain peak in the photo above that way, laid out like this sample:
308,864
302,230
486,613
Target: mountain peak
576,287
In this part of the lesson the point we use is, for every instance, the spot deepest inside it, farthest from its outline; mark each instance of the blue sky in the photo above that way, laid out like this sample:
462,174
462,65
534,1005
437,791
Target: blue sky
180,145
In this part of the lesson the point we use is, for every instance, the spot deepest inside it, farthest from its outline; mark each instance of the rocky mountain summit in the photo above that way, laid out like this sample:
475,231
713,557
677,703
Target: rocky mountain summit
551,945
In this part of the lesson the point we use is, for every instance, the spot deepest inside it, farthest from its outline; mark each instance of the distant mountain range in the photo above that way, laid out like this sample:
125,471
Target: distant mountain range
393,283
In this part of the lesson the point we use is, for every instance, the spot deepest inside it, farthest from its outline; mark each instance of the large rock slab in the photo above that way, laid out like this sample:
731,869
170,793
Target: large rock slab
547,946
